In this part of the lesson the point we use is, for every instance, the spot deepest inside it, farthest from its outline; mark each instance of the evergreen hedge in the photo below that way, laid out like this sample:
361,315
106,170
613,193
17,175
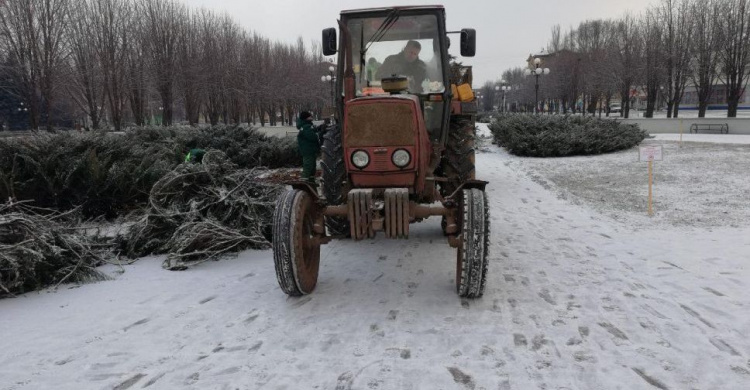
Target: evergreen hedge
108,173
558,136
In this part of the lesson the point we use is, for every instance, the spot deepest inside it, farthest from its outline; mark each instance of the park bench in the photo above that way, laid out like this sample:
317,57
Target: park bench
720,127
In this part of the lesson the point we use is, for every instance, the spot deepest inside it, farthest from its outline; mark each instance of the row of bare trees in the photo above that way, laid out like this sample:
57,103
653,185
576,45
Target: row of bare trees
672,46
112,62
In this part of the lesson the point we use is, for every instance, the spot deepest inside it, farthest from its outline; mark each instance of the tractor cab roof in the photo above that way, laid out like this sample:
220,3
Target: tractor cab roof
385,9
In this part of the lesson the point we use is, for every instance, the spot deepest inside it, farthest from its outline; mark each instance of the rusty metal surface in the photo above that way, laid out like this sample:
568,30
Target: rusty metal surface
360,207
381,123
396,209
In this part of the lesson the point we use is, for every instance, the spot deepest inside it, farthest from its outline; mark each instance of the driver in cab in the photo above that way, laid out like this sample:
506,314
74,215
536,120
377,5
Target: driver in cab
405,63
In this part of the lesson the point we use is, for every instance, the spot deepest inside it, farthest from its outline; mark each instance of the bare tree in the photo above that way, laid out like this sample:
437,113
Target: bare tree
555,42
230,38
112,30
190,81
86,84
678,30
138,79
52,19
33,33
211,65
652,40
735,51
160,20
626,52
117,52
521,90
591,39
706,15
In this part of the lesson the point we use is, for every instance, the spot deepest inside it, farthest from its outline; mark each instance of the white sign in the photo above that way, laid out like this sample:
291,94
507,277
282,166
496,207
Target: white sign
650,153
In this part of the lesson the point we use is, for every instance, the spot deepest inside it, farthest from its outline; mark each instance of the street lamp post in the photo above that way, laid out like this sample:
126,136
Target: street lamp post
503,88
537,71
497,88
330,78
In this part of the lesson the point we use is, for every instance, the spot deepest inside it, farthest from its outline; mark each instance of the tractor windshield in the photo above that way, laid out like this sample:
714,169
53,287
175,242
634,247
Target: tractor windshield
404,45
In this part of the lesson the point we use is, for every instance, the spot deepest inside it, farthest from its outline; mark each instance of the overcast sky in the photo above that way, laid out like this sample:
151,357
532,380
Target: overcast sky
507,31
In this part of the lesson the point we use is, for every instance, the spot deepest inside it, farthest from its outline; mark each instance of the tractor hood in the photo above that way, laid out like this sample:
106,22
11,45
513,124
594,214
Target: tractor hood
380,126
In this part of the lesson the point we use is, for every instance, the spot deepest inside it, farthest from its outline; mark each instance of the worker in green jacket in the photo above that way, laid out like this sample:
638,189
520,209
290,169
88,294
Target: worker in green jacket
308,144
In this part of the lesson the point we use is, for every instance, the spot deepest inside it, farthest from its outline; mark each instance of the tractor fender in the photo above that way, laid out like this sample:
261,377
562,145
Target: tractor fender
308,188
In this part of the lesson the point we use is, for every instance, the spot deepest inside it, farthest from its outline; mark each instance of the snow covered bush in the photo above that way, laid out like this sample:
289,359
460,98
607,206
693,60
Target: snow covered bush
557,136
106,174
40,248
199,212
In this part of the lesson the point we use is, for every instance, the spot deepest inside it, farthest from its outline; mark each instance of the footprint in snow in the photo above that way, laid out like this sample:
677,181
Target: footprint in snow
139,322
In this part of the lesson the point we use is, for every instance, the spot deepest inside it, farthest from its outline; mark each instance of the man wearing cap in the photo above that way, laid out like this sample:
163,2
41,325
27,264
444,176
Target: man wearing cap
308,144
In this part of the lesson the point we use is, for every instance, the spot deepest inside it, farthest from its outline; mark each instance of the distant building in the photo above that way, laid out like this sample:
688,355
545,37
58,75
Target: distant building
542,55
717,100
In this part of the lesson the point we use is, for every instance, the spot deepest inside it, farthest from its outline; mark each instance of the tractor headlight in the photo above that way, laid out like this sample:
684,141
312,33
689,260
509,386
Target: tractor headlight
401,158
360,159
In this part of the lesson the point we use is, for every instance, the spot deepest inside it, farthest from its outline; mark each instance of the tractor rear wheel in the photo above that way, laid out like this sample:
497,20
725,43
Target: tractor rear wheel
334,175
296,250
471,257
457,164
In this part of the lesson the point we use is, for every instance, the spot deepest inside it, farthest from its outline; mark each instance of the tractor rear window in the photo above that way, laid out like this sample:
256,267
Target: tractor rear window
406,45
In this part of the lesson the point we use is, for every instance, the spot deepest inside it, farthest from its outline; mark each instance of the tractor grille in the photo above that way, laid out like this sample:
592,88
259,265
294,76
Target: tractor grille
380,162
380,124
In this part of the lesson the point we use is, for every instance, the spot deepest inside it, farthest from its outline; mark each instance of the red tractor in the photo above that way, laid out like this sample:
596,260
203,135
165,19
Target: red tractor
400,149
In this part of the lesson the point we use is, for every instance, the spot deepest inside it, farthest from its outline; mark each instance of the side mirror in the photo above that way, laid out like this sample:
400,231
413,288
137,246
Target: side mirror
468,42
329,41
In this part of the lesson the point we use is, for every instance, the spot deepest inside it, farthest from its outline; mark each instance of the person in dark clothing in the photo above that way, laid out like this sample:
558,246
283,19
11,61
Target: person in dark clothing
406,63
308,144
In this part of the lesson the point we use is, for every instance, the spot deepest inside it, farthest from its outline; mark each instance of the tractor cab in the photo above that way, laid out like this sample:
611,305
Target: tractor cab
393,44
380,46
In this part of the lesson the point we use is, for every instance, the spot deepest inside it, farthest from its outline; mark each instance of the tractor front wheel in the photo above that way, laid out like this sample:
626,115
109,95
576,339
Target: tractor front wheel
471,257
296,249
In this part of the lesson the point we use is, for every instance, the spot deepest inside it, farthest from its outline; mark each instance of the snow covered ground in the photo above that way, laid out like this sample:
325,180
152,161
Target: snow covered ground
584,292
692,114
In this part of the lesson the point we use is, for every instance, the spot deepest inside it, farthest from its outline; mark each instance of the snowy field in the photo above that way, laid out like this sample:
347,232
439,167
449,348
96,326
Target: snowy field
692,114
584,292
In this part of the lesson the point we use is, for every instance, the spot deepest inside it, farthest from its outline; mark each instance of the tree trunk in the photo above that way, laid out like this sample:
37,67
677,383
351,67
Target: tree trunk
650,103
191,107
732,104
166,101
592,105
669,109
626,108
261,116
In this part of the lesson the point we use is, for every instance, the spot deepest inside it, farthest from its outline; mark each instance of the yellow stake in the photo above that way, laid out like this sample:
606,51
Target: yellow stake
680,132
650,176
